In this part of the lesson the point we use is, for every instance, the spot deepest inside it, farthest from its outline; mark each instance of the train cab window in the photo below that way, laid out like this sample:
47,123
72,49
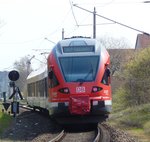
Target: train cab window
53,79
106,77
79,69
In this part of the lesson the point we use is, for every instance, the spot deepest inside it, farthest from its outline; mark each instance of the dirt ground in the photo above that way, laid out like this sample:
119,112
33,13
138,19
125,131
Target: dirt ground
30,126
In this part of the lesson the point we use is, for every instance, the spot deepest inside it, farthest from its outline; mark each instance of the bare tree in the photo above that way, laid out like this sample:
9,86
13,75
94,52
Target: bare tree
24,70
118,49
2,23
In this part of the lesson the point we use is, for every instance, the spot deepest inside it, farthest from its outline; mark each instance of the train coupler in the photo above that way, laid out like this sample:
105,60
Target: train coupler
79,105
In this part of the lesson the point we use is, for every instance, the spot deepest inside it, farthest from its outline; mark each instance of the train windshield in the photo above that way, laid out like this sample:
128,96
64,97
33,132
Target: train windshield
79,69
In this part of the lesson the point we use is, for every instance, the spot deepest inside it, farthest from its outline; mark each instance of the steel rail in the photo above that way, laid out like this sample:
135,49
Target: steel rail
97,136
25,107
58,137
104,134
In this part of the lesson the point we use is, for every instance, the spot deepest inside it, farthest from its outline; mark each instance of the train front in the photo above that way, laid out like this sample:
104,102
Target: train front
79,79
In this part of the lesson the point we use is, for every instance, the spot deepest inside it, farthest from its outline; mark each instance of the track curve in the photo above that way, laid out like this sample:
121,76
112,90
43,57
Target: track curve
59,137
104,135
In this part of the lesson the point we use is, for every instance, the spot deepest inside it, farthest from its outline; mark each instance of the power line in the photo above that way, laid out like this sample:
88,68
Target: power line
21,42
49,40
112,20
40,61
73,12
60,24
8,68
146,1
40,49
96,24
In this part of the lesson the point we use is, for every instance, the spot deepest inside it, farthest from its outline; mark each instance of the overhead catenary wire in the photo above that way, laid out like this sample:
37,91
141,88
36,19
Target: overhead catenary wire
40,61
97,3
23,42
59,27
49,40
71,4
124,25
96,24
79,25
8,68
146,1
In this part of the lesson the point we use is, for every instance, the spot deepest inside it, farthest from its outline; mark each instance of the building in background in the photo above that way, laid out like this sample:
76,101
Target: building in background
142,41
4,83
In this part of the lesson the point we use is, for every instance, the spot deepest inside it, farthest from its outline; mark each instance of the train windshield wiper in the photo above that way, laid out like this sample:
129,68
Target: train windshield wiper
82,80
90,72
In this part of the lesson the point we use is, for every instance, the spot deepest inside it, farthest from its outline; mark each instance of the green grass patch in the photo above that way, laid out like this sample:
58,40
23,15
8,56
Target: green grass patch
140,134
5,120
135,120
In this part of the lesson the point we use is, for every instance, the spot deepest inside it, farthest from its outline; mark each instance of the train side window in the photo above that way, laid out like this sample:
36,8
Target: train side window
37,89
45,85
29,90
34,89
41,89
53,79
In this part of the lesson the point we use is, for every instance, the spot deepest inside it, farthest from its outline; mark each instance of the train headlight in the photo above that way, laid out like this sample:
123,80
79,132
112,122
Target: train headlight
96,89
64,90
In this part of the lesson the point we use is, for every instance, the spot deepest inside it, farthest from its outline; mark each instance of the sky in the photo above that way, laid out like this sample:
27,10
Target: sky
32,27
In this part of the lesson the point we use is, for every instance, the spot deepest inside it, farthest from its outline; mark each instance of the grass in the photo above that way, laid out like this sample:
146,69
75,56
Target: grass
5,120
135,120
140,134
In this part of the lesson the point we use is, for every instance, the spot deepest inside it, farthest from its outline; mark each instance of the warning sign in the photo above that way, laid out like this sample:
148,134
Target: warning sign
6,106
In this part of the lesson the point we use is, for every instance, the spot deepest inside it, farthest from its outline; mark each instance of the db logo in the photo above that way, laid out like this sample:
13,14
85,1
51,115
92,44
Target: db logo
80,89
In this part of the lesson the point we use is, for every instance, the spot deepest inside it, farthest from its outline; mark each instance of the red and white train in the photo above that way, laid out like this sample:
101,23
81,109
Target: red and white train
75,82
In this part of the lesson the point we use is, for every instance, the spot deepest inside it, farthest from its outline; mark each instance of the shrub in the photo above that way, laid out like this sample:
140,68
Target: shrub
147,127
138,79
119,99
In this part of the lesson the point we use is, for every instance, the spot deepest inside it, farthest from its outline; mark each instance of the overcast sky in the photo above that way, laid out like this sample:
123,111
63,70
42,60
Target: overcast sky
24,24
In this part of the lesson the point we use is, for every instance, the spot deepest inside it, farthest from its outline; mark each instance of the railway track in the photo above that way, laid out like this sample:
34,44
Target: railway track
59,137
34,127
104,134
101,135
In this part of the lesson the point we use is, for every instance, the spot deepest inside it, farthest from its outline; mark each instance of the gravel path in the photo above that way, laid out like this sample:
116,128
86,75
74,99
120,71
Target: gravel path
28,126
118,135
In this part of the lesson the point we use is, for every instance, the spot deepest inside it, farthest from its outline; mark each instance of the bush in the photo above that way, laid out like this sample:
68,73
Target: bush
119,99
138,79
147,127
